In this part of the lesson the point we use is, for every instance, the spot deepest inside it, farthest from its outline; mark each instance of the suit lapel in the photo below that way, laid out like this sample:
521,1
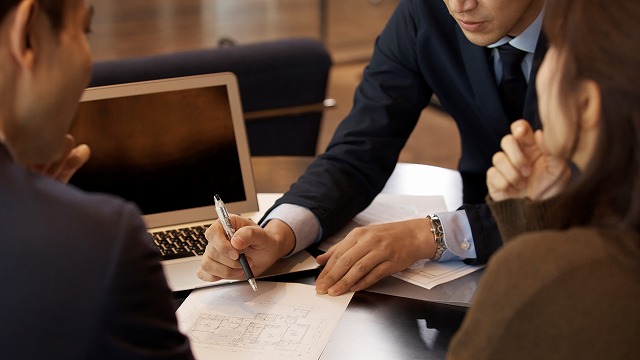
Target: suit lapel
481,76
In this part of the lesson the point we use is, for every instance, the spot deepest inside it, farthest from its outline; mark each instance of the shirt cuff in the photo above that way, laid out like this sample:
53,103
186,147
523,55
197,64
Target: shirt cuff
305,225
457,236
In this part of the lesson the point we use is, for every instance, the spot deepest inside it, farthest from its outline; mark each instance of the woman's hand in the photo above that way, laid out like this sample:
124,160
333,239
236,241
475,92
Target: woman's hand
524,168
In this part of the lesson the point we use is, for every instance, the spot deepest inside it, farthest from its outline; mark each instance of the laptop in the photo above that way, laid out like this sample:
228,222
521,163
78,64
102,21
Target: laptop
169,146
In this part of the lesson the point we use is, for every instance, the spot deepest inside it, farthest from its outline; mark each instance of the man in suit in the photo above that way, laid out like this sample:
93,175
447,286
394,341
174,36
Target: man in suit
79,275
479,57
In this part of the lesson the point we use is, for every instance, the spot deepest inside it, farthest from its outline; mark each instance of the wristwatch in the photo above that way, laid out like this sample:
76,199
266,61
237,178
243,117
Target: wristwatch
438,234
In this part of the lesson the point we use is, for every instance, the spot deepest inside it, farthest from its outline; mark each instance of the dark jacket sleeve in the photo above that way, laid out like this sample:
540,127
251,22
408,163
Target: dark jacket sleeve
365,147
486,237
139,315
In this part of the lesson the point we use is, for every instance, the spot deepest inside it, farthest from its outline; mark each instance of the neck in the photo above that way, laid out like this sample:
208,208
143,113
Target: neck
528,17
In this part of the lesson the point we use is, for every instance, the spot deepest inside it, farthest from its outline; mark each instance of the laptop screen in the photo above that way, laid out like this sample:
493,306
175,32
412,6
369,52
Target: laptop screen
168,145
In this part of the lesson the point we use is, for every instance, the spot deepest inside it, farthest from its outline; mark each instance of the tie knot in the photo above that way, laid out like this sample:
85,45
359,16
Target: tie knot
510,55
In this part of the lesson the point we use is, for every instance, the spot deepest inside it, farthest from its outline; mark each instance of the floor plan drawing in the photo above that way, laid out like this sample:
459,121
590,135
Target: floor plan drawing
280,321
285,332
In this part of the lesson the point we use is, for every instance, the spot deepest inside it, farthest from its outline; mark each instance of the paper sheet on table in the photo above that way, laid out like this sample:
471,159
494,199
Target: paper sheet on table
279,321
429,274
388,208
392,207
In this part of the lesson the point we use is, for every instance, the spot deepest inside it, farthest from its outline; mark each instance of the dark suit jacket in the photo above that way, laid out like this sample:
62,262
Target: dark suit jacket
421,51
79,276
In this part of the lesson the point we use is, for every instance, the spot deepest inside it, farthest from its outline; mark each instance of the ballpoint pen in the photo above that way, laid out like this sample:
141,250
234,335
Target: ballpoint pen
223,215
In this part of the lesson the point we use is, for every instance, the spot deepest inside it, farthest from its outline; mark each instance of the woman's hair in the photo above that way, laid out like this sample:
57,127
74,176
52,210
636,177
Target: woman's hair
54,8
598,40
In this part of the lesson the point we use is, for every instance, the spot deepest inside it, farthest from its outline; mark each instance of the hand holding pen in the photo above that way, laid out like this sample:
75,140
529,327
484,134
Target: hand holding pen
223,215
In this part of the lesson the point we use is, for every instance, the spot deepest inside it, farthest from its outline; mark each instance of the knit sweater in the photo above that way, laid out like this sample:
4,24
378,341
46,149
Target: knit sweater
554,294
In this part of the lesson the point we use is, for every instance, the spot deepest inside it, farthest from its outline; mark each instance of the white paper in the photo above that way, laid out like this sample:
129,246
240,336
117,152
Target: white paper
279,321
430,274
389,208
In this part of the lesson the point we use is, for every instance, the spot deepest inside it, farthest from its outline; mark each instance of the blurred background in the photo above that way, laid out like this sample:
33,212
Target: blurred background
347,28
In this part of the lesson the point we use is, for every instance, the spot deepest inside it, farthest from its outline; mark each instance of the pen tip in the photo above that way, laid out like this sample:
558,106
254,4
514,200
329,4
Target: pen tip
253,284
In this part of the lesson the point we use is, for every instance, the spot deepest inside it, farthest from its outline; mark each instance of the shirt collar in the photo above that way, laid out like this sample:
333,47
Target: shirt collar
527,39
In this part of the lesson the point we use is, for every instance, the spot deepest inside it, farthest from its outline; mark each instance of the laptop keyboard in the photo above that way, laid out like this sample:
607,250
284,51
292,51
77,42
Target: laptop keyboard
179,243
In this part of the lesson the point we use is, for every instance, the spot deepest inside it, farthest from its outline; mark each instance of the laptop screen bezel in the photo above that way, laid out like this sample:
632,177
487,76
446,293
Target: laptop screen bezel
204,213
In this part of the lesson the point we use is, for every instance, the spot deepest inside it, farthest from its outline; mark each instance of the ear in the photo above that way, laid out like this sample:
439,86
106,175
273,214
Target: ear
20,36
590,104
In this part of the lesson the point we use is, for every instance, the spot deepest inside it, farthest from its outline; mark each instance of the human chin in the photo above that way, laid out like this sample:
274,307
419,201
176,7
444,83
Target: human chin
480,38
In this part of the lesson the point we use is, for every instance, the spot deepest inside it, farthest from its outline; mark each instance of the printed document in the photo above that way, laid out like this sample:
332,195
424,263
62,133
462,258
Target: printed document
429,274
279,321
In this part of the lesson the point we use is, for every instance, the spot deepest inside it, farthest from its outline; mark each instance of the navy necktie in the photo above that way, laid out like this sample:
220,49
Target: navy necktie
513,86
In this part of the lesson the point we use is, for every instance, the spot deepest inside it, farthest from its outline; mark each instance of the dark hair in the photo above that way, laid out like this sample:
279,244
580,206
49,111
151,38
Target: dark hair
54,8
598,40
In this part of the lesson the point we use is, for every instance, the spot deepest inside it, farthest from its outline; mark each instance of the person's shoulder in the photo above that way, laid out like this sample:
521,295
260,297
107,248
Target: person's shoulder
69,204
75,198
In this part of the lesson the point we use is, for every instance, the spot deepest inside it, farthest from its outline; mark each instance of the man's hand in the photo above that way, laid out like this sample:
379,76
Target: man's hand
370,253
71,160
524,167
262,247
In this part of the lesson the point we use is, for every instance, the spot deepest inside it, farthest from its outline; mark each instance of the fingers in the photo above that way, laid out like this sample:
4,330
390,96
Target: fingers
370,253
521,130
215,265
509,172
343,269
513,150
355,263
51,169
219,260
70,161
75,160
205,276
512,167
218,242
323,258
539,137
498,186
352,271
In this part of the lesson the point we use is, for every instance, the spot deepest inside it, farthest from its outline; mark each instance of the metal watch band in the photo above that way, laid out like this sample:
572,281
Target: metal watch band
438,234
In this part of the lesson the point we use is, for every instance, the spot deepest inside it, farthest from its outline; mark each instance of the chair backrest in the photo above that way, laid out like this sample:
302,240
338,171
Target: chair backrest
282,84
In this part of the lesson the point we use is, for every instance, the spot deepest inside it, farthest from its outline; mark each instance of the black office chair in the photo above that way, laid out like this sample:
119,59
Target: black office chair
282,85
